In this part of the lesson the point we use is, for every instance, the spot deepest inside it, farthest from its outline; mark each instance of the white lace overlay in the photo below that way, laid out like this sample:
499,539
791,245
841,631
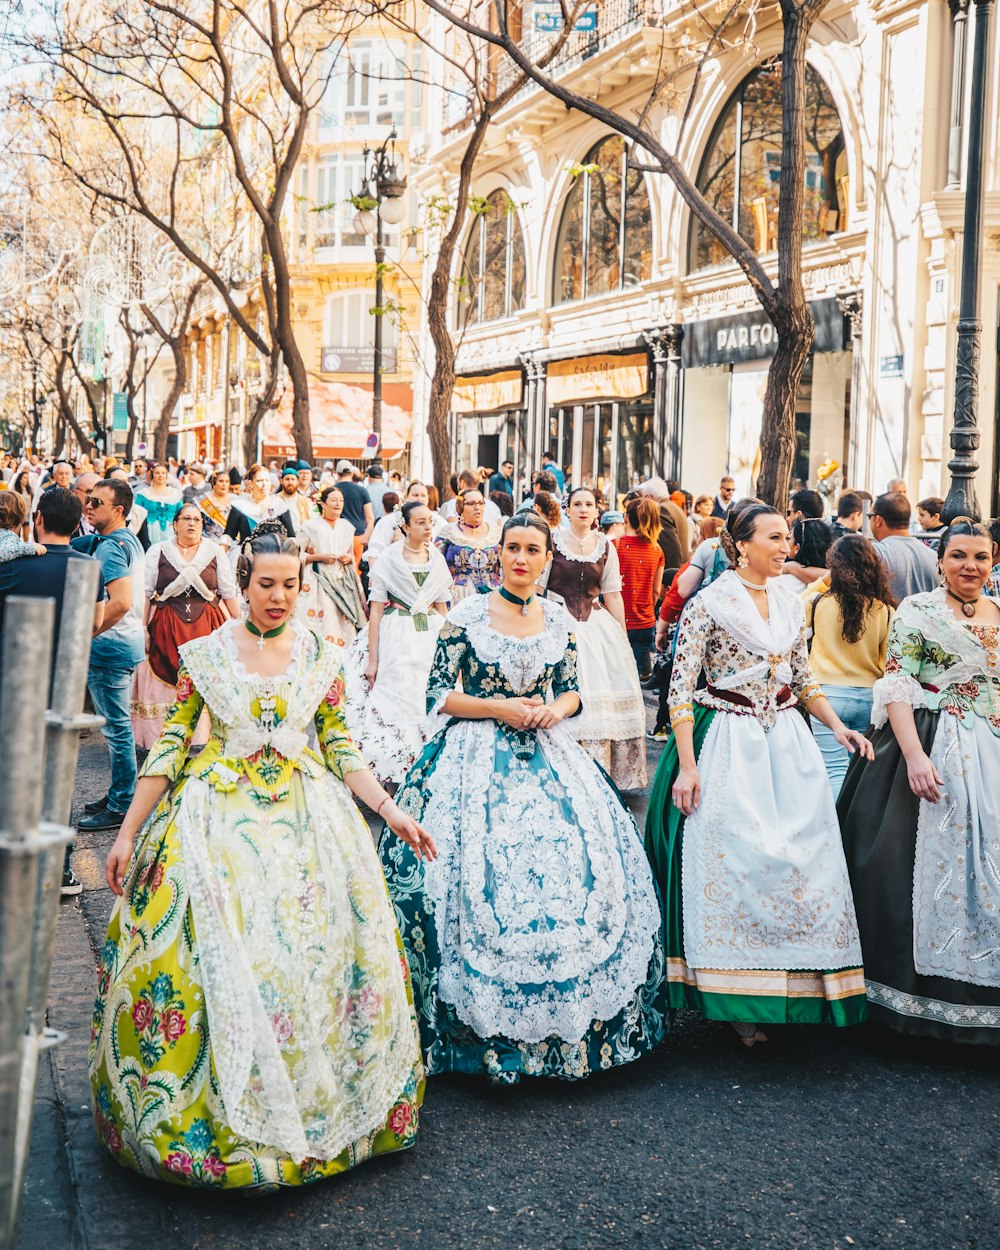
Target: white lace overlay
544,902
895,688
304,1064
956,870
764,879
222,680
613,709
521,660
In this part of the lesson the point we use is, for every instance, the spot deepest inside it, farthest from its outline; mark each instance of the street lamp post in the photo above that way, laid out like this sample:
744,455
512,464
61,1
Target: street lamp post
964,439
380,200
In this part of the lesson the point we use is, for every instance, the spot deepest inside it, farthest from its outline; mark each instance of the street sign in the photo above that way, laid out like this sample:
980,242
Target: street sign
890,367
371,447
547,17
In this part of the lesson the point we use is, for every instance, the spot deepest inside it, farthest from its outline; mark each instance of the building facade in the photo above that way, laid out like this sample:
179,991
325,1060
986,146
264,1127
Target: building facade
600,323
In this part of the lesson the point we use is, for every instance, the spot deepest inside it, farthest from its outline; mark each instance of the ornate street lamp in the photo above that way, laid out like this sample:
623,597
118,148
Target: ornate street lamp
964,437
380,200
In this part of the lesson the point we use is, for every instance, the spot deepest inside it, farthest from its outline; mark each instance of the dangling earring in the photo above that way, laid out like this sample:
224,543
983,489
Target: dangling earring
743,562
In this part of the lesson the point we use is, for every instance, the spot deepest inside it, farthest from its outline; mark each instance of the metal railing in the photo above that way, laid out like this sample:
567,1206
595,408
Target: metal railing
38,750
614,21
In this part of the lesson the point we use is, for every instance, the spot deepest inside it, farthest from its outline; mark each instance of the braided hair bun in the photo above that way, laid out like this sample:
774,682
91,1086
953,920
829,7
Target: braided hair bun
270,538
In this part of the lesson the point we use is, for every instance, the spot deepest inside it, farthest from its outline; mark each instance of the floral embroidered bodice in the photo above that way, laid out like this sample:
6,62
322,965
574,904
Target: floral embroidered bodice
487,664
258,724
935,661
472,561
754,668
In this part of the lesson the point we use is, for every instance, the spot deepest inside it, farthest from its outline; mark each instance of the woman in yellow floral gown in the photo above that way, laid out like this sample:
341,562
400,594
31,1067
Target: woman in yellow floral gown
254,1021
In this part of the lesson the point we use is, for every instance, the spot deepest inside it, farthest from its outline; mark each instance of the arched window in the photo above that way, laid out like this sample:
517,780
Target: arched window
746,149
493,274
605,240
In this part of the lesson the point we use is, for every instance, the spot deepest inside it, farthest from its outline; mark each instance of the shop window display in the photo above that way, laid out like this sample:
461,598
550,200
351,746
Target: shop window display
746,147
605,240
493,280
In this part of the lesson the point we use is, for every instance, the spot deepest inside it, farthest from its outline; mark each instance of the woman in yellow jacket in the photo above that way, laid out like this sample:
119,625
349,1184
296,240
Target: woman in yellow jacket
849,628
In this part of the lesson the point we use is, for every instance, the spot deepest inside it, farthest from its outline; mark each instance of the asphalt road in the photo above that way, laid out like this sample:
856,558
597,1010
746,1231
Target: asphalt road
820,1139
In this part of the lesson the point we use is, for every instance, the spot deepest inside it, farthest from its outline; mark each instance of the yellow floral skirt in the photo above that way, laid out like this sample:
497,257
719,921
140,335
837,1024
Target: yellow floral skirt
254,1022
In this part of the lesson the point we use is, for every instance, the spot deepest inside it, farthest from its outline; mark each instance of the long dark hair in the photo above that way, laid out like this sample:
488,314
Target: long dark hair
813,538
857,581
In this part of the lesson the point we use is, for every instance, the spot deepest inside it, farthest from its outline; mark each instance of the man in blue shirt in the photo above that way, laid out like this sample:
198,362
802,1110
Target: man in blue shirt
503,479
551,465
118,648
44,577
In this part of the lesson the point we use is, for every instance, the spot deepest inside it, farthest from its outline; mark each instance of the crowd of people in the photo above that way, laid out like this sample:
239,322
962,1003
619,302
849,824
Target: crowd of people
822,832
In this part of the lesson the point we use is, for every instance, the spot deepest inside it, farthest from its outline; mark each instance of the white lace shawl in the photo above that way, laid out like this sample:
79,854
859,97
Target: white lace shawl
189,571
215,671
521,660
928,614
728,603
395,575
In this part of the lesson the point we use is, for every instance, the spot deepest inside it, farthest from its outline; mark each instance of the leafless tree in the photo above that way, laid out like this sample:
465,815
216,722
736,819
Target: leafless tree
205,105
495,23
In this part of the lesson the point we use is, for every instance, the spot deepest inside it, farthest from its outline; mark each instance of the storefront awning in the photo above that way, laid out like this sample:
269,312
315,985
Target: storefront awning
597,377
341,420
488,392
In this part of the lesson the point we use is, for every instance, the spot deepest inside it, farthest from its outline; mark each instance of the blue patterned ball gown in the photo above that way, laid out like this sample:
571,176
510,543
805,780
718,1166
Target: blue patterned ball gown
534,938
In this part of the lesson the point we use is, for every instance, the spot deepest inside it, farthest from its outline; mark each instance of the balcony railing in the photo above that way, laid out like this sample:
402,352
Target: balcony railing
605,24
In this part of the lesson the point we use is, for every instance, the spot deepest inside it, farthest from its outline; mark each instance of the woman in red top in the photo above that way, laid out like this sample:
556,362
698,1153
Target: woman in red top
641,561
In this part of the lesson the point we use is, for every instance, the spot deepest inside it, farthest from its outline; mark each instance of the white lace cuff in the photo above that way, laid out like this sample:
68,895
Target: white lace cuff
895,688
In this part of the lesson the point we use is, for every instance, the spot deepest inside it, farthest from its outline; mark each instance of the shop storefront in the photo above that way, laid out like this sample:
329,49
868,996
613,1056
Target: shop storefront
490,421
725,362
600,421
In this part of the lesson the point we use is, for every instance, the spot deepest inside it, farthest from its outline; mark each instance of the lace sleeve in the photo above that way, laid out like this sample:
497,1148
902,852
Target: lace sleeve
692,641
901,682
169,753
446,670
565,678
338,748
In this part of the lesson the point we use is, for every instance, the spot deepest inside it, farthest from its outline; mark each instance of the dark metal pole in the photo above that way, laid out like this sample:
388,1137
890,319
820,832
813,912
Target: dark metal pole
964,438
377,366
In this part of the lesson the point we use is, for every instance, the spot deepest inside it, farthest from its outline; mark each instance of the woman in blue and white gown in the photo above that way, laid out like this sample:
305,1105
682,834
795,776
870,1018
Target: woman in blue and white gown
534,939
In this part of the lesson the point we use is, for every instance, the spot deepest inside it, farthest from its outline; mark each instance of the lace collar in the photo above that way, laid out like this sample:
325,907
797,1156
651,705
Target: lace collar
928,614
521,660
559,542
226,634
730,606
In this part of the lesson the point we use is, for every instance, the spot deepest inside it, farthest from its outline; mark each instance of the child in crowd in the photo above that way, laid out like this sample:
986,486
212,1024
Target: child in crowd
13,515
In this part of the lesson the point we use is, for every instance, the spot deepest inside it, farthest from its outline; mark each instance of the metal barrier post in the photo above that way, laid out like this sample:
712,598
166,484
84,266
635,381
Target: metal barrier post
64,722
27,647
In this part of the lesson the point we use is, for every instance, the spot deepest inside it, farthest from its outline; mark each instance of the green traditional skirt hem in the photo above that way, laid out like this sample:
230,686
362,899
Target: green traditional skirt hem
834,997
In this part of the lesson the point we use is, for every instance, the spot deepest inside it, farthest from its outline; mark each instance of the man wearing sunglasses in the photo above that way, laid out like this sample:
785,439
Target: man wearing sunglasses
117,649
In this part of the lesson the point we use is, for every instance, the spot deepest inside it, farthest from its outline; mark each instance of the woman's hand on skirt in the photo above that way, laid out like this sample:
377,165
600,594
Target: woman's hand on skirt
686,792
851,740
923,778
118,861
413,834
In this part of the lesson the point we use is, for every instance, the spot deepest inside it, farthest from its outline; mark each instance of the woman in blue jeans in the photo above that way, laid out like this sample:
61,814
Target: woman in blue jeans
849,624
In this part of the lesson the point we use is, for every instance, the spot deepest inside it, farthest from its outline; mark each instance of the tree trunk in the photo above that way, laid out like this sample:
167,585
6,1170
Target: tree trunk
443,379
261,407
161,432
792,320
284,336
